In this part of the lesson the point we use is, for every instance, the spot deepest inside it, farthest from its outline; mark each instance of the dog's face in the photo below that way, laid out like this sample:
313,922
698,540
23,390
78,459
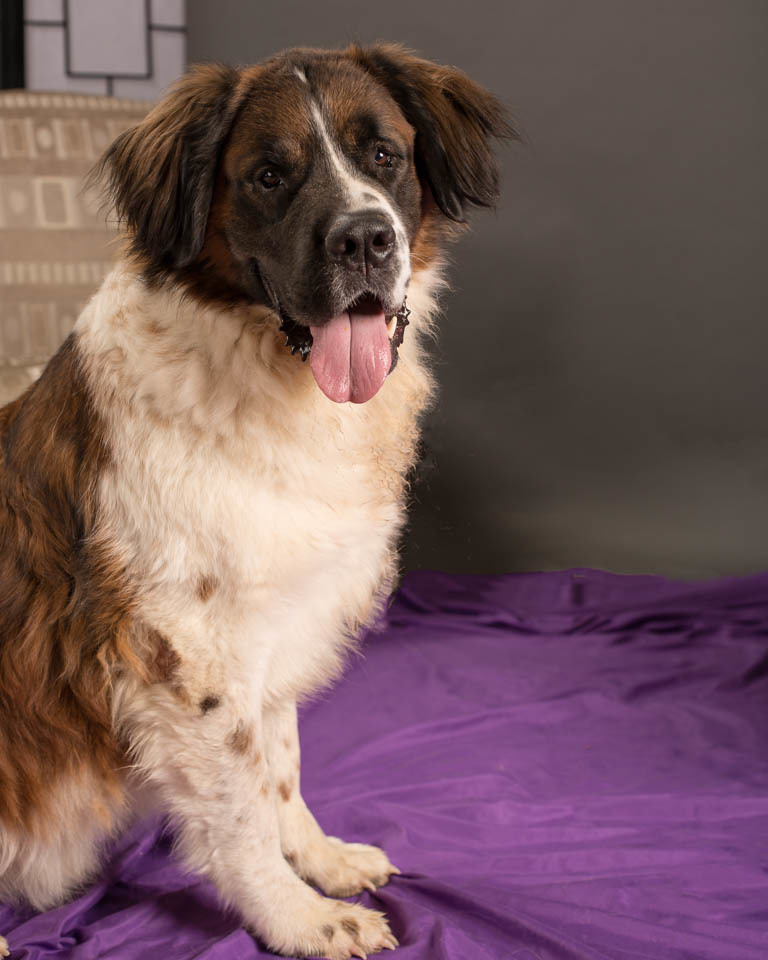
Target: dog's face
314,184
318,198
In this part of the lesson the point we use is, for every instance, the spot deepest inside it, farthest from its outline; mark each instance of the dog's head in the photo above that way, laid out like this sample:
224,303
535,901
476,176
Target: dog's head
314,184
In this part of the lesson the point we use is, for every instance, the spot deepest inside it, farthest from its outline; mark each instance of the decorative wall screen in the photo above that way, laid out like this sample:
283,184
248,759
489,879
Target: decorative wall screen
122,48
55,245
91,68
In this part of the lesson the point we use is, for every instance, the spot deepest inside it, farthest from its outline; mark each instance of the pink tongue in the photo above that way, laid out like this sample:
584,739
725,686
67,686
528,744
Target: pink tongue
351,355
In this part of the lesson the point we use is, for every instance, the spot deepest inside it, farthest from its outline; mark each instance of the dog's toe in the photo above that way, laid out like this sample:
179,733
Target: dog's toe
335,930
359,932
345,869
5,950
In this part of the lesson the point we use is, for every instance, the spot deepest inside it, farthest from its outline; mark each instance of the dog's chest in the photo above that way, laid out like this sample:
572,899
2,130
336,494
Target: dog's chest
258,557
255,520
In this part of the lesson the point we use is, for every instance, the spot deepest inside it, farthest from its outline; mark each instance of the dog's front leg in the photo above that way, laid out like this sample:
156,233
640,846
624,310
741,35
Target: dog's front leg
208,760
339,869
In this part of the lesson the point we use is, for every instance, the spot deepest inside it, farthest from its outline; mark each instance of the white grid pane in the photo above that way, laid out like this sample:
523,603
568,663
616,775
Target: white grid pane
44,10
44,54
169,59
169,13
108,37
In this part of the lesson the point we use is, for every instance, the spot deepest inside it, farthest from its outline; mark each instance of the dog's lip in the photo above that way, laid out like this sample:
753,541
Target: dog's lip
366,302
298,336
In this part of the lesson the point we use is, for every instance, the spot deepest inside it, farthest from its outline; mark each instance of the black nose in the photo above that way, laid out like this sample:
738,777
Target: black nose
360,242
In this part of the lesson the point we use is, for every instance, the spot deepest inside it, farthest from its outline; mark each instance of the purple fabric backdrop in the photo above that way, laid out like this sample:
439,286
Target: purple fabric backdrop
566,766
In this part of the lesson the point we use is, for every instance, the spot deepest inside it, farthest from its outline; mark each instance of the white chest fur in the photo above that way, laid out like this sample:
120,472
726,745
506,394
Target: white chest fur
256,519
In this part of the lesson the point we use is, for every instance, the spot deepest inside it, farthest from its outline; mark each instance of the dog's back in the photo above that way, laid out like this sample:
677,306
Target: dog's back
62,622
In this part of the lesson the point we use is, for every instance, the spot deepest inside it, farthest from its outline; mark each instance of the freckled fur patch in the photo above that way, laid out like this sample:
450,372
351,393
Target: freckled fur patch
209,703
165,665
352,927
206,587
328,931
241,740
181,693
284,790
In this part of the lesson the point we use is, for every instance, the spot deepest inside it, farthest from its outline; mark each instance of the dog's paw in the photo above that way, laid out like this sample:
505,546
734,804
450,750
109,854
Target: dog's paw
5,950
345,869
336,930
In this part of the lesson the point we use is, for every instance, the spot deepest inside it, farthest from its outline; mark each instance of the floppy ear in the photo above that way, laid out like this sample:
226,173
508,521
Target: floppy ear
455,121
160,174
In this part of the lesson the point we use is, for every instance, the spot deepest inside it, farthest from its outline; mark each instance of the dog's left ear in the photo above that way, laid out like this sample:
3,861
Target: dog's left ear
160,174
455,120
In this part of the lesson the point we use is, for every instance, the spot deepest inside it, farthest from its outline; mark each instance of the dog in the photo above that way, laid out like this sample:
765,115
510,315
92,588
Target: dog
202,495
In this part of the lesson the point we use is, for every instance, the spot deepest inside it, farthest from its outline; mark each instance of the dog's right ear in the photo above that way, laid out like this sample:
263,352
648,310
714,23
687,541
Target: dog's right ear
160,174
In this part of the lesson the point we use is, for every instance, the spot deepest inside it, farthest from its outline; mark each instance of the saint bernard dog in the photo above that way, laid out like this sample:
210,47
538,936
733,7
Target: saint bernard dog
201,497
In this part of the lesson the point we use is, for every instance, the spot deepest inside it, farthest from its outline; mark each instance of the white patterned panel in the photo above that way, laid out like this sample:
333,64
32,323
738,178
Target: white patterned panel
18,99
47,203
56,273
108,37
56,239
31,331
69,137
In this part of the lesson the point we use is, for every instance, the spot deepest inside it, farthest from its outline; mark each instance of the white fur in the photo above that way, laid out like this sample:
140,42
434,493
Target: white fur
340,869
233,464
229,463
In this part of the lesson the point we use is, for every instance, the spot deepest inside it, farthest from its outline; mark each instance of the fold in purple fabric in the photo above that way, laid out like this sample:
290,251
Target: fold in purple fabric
566,766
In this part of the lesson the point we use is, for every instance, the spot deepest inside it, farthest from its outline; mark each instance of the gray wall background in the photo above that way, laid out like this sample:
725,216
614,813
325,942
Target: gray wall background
603,353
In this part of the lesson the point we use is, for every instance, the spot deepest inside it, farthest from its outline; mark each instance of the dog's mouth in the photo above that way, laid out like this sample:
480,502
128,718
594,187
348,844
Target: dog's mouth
350,354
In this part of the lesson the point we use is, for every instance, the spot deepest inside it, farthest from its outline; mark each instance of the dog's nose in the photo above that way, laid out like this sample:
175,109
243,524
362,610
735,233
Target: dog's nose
360,242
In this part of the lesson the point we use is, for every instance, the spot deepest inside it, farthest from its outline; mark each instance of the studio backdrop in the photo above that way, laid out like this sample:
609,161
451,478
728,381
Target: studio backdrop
602,357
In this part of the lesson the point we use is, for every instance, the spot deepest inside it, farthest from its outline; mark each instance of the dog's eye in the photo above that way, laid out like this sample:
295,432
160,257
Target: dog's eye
382,158
269,180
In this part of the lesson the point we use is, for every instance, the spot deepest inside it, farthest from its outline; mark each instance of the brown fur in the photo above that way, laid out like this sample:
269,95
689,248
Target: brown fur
206,587
65,609
164,667
146,167
456,122
241,740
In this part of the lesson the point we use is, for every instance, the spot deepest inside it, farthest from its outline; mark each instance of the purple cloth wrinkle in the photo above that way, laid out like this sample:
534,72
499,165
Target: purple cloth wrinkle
566,766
